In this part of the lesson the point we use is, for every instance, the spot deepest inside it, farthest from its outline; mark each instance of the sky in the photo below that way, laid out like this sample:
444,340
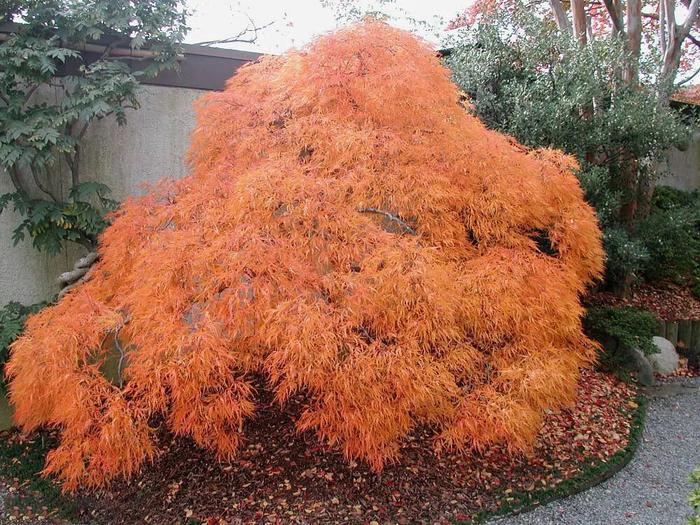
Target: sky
294,23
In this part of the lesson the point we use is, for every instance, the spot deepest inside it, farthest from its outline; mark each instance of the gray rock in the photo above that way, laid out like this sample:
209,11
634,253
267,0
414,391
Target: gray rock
645,371
665,361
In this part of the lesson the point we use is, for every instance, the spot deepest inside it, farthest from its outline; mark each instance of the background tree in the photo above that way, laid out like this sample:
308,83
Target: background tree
93,52
664,28
551,87
659,39
354,237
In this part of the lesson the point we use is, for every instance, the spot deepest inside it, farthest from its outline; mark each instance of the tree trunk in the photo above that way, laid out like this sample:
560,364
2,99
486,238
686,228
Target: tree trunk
615,13
634,40
579,15
645,192
628,184
675,35
560,16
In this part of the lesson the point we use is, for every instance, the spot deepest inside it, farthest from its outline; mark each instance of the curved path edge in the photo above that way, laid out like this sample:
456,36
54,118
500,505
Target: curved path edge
588,479
647,485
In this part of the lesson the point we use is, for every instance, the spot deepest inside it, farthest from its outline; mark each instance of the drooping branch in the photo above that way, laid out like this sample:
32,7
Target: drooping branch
287,310
392,217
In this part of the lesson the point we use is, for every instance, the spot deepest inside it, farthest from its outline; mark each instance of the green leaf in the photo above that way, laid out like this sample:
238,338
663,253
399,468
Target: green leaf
35,133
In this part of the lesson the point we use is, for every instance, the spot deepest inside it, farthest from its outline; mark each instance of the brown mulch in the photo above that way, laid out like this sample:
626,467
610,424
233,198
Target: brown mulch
285,477
669,301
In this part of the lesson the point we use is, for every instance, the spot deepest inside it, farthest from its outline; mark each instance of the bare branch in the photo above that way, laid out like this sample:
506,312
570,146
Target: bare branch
252,27
634,39
394,218
690,20
691,77
16,178
662,26
122,356
670,9
693,39
113,45
676,36
81,133
73,161
28,95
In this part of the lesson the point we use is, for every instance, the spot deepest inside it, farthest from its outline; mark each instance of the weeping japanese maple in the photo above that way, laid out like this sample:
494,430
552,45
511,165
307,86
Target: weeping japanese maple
350,234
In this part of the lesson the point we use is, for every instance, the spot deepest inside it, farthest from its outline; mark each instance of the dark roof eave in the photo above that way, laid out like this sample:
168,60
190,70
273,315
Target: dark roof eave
201,67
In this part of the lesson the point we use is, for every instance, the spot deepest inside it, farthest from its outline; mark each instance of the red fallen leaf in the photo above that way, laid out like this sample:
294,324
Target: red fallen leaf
393,495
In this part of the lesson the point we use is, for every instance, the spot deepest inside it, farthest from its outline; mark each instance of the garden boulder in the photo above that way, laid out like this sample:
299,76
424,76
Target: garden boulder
665,361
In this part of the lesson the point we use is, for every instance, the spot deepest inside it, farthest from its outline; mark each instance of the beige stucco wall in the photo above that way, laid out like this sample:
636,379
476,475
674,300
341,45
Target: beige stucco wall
683,167
150,147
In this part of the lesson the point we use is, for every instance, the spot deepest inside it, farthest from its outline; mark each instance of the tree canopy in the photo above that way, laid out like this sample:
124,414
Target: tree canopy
349,236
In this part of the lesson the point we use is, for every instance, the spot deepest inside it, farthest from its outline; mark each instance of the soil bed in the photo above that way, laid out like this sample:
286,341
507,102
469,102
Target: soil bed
285,477
668,301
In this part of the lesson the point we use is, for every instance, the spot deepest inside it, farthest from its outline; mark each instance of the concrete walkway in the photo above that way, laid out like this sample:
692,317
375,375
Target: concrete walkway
653,489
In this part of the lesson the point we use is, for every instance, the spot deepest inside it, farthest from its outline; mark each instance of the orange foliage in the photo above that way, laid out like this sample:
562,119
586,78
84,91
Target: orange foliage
352,235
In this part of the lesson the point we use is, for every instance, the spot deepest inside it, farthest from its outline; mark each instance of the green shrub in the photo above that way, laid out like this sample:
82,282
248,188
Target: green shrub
619,329
694,497
671,236
668,198
626,256
12,317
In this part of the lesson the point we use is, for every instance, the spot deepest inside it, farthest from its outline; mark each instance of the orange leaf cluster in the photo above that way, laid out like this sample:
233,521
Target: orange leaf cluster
352,235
